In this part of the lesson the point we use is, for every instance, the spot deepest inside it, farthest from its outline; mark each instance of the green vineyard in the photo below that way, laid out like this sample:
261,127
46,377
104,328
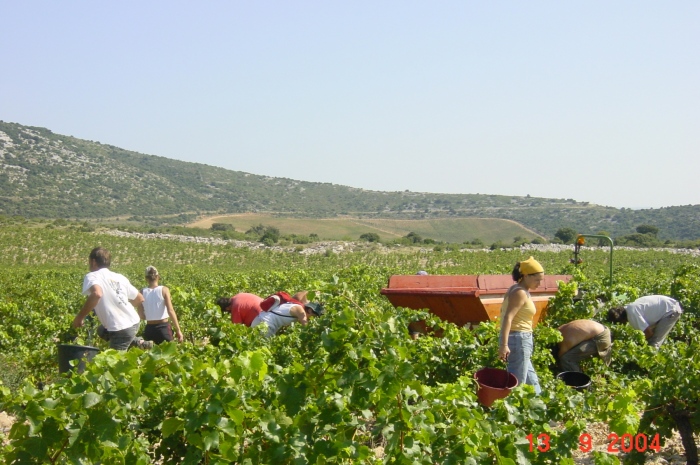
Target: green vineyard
351,387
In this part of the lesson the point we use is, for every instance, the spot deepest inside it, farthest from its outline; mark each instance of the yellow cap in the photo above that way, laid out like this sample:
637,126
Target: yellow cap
530,266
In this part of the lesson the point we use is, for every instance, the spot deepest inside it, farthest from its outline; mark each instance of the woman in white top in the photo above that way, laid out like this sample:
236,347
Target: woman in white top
157,310
286,314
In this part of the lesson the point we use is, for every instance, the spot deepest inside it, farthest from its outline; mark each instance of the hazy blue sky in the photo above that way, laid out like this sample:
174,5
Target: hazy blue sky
597,101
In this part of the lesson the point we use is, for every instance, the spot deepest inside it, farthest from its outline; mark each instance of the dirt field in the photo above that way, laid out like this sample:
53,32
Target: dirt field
452,230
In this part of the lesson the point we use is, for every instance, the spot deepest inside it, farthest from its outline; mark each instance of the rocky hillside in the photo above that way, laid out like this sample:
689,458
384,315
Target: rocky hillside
47,175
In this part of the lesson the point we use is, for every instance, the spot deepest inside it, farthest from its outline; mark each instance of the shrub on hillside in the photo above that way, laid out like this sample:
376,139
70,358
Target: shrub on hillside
370,237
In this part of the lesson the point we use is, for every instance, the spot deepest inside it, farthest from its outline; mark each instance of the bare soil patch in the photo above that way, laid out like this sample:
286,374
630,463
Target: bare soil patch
6,422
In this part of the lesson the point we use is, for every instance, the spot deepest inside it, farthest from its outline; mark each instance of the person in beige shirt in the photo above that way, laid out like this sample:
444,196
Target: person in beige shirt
583,339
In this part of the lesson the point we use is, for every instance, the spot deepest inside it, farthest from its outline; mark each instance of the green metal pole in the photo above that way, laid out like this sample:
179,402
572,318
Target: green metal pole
600,236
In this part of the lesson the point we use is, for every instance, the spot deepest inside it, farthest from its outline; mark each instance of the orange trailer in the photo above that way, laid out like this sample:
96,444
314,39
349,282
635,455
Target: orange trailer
464,299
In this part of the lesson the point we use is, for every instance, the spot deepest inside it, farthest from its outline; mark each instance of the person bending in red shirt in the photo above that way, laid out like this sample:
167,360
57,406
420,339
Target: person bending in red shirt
245,307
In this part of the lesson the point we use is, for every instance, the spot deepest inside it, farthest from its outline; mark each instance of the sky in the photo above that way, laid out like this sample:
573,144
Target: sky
595,101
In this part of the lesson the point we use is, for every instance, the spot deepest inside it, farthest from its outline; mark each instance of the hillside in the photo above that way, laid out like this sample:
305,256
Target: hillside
453,230
47,175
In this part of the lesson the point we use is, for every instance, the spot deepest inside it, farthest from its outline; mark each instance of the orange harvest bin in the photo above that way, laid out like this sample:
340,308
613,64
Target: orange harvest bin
465,300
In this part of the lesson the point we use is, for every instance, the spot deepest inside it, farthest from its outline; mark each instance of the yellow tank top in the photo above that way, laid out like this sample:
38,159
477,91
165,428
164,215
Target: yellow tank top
522,321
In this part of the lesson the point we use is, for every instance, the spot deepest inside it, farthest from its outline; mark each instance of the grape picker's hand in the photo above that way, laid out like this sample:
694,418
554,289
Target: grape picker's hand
78,321
503,353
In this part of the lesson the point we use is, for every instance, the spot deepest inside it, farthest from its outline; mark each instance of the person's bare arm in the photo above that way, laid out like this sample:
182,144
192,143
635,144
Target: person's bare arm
171,313
140,310
649,332
90,303
300,314
515,301
138,300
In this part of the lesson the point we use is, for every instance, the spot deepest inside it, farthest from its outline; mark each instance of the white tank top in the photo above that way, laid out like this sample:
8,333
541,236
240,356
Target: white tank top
275,318
154,304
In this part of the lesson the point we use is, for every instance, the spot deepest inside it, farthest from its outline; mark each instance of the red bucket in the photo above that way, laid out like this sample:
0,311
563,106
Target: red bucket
494,384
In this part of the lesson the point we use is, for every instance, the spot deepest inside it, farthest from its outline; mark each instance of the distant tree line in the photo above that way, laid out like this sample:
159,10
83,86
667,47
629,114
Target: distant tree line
645,235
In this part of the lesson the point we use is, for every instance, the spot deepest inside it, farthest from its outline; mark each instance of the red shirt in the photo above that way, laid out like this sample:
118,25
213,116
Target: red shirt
245,307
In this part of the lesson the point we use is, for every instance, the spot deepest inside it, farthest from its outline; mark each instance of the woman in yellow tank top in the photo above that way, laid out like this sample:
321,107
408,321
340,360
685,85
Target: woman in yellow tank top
515,344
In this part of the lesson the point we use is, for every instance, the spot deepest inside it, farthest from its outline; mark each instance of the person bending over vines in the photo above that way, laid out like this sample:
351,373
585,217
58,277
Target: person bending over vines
655,315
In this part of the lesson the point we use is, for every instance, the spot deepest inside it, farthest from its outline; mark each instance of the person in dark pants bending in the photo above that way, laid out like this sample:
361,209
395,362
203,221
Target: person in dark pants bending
656,315
583,340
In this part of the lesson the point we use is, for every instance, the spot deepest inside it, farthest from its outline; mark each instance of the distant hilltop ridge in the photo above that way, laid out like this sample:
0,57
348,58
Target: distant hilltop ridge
47,175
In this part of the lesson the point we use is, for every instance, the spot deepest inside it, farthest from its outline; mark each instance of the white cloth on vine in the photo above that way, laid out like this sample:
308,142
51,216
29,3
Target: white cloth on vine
154,304
114,310
275,318
649,310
